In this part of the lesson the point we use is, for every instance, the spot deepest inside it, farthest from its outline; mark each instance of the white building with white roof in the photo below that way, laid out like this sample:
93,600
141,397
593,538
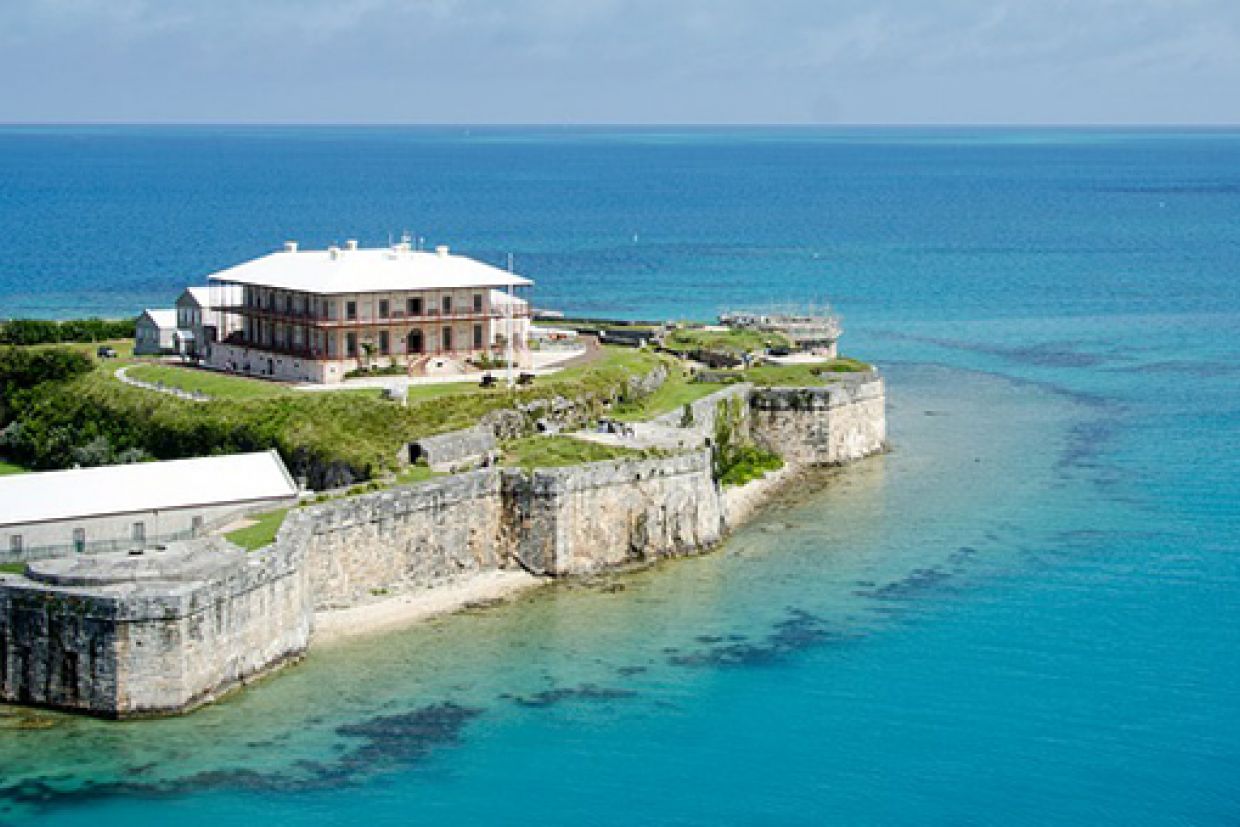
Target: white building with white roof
117,507
155,332
315,315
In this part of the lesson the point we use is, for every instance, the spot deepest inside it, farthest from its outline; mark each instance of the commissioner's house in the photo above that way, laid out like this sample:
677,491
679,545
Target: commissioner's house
315,315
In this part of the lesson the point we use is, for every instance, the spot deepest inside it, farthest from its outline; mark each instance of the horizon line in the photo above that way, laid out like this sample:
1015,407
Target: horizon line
638,124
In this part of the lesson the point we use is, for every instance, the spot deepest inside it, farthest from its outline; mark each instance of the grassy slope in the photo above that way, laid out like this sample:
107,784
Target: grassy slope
553,451
261,533
819,373
676,392
7,468
214,385
735,340
358,429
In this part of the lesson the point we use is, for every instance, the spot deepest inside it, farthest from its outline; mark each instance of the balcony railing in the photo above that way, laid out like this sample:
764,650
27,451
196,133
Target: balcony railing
398,318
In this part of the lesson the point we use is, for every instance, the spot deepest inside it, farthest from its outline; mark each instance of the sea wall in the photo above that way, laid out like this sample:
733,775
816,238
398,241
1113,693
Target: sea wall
124,635
413,536
828,425
580,519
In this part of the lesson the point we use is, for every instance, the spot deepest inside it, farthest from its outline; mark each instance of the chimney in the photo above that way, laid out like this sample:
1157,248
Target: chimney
333,252
442,251
351,244
290,246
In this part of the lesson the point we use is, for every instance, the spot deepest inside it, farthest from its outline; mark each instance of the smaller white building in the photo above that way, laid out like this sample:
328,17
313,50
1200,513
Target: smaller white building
198,323
155,332
118,507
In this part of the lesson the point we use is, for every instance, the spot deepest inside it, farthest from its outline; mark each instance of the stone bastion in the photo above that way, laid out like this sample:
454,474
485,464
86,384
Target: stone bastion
163,631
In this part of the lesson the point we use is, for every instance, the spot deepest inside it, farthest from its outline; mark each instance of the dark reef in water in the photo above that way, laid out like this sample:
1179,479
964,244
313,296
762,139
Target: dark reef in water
800,630
584,692
385,742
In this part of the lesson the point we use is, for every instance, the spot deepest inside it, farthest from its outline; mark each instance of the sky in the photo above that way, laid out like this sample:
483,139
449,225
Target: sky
621,61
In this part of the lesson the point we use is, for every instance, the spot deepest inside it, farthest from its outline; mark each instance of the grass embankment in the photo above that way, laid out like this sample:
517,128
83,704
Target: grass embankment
733,340
674,394
802,375
7,468
214,385
555,451
261,533
312,431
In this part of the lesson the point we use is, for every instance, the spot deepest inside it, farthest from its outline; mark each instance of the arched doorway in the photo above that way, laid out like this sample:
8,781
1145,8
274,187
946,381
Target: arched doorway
414,342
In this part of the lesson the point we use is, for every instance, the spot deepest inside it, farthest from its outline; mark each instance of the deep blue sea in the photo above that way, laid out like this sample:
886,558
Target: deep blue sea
1027,613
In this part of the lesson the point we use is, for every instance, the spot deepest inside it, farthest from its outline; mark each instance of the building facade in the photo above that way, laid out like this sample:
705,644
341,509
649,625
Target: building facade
316,315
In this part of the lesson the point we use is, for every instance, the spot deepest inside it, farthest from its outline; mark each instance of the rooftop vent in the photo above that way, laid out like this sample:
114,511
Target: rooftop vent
290,246
351,244
442,251
333,252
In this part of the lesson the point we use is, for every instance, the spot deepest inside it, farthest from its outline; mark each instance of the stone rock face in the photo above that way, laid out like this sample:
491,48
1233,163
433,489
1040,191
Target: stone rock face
403,537
585,518
118,637
828,425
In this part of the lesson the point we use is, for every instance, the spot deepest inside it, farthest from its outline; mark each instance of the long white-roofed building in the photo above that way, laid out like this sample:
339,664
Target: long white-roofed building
316,315
118,507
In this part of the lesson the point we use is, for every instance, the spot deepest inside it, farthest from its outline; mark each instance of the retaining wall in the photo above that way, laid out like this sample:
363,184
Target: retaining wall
827,425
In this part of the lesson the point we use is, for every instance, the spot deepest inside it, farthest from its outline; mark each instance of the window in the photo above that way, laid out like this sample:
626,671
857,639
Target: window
414,307
79,540
385,345
15,543
195,526
350,310
477,302
384,307
477,337
139,532
350,344
447,304
447,338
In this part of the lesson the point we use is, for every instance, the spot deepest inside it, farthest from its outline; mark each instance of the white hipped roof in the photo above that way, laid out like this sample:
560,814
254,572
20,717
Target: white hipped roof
144,486
221,294
368,270
163,319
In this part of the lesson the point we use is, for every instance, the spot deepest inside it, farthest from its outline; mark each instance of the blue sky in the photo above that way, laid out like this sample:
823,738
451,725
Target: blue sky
621,61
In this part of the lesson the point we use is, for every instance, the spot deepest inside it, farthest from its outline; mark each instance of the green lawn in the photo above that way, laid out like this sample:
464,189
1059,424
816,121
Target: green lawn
674,394
733,340
415,473
553,451
7,468
214,385
262,533
12,568
807,375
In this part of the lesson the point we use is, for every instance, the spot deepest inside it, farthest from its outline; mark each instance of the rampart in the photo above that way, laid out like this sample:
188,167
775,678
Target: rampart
128,635
125,635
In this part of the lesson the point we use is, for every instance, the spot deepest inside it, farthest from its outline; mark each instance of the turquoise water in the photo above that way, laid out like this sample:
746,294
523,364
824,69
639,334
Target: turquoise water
1024,614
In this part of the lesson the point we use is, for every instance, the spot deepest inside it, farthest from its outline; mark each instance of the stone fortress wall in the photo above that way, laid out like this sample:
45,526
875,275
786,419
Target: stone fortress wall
128,635
122,635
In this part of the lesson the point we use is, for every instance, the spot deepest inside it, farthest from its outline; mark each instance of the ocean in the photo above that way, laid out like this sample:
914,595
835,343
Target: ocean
1024,614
